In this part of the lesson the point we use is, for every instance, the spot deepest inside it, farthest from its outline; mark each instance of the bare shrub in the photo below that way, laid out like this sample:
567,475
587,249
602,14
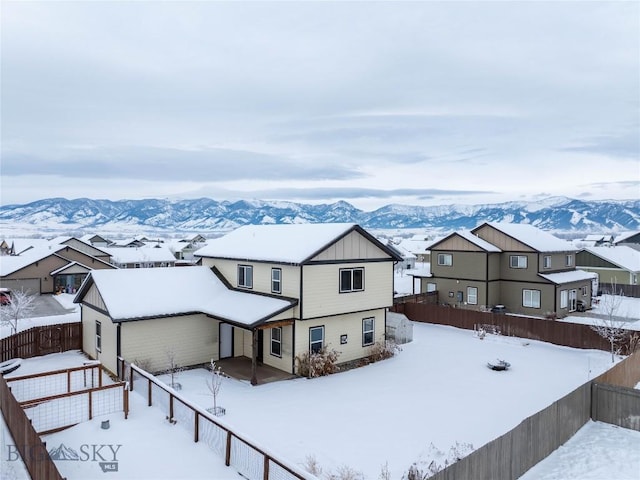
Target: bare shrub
312,466
385,473
383,350
345,473
318,364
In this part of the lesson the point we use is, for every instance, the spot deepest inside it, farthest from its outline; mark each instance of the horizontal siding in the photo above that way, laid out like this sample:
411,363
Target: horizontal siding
108,355
335,327
193,339
284,362
321,289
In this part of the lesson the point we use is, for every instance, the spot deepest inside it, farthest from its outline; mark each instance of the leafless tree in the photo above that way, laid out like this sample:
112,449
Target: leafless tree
173,369
21,306
214,382
611,327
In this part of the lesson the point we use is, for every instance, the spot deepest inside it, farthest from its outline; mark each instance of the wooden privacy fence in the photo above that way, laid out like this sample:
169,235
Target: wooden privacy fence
515,452
28,443
41,341
251,461
60,399
552,331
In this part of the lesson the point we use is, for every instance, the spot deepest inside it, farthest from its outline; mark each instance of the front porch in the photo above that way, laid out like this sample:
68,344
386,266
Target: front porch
240,369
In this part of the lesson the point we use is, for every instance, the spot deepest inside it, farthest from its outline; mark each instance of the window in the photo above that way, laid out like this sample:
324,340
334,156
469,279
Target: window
472,295
568,260
531,298
564,299
432,287
276,280
368,337
351,280
245,276
276,341
316,339
584,290
518,261
546,261
445,259
98,336
138,265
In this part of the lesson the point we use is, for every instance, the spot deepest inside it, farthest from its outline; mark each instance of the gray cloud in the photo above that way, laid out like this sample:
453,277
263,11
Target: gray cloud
350,193
173,164
624,146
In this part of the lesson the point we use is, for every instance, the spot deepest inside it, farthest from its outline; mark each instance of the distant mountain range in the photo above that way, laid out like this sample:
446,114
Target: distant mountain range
203,215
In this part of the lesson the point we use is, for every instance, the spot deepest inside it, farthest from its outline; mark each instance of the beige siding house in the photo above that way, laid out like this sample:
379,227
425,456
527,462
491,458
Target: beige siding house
339,274
268,293
517,266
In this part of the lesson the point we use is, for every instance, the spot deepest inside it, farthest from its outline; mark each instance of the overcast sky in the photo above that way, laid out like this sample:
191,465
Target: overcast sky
420,103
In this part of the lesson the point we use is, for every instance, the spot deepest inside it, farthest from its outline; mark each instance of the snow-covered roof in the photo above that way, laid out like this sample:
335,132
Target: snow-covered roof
290,243
140,254
159,292
417,247
625,257
624,235
479,242
418,272
22,244
568,277
534,237
13,263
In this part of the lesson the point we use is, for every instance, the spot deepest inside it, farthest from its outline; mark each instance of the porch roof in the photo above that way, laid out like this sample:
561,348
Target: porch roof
561,278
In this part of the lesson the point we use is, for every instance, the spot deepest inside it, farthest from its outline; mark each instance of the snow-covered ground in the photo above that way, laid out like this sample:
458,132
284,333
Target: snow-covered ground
65,299
597,451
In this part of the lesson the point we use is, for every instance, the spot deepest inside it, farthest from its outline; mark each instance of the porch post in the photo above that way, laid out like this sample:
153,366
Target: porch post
254,357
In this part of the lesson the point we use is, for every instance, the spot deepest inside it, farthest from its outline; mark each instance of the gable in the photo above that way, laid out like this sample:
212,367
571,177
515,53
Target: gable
457,243
501,240
353,246
94,299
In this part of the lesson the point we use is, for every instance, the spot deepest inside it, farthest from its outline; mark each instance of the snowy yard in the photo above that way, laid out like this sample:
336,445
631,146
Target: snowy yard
437,391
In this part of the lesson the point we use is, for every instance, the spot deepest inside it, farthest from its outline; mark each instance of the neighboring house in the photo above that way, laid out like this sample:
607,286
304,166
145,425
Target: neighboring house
269,293
597,240
408,259
144,257
82,246
628,238
619,264
183,250
97,241
128,243
48,269
519,266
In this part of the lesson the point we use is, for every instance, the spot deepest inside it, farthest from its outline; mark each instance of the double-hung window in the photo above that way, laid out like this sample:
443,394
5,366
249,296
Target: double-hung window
245,276
531,298
276,280
276,341
98,336
546,261
518,261
368,331
316,339
568,260
445,259
472,295
351,279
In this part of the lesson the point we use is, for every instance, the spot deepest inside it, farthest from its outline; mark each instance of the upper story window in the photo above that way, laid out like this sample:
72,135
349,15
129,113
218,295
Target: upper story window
351,279
245,276
445,259
568,260
276,280
98,336
518,261
546,261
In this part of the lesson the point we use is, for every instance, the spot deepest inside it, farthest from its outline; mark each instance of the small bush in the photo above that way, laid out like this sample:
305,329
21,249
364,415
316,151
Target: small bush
318,364
383,350
312,466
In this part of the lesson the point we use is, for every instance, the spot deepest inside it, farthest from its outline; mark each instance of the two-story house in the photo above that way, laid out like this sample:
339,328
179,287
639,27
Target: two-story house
518,266
269,293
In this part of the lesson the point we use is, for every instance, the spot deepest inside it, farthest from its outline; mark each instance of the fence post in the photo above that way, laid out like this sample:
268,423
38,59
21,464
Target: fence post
90,406
171,408
131,377
266,468
196,427
149,393
227,453
68,381
99,376
125,400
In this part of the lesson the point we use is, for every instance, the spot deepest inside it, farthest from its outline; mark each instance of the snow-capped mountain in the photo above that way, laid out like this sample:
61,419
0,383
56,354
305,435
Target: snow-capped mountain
208,215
